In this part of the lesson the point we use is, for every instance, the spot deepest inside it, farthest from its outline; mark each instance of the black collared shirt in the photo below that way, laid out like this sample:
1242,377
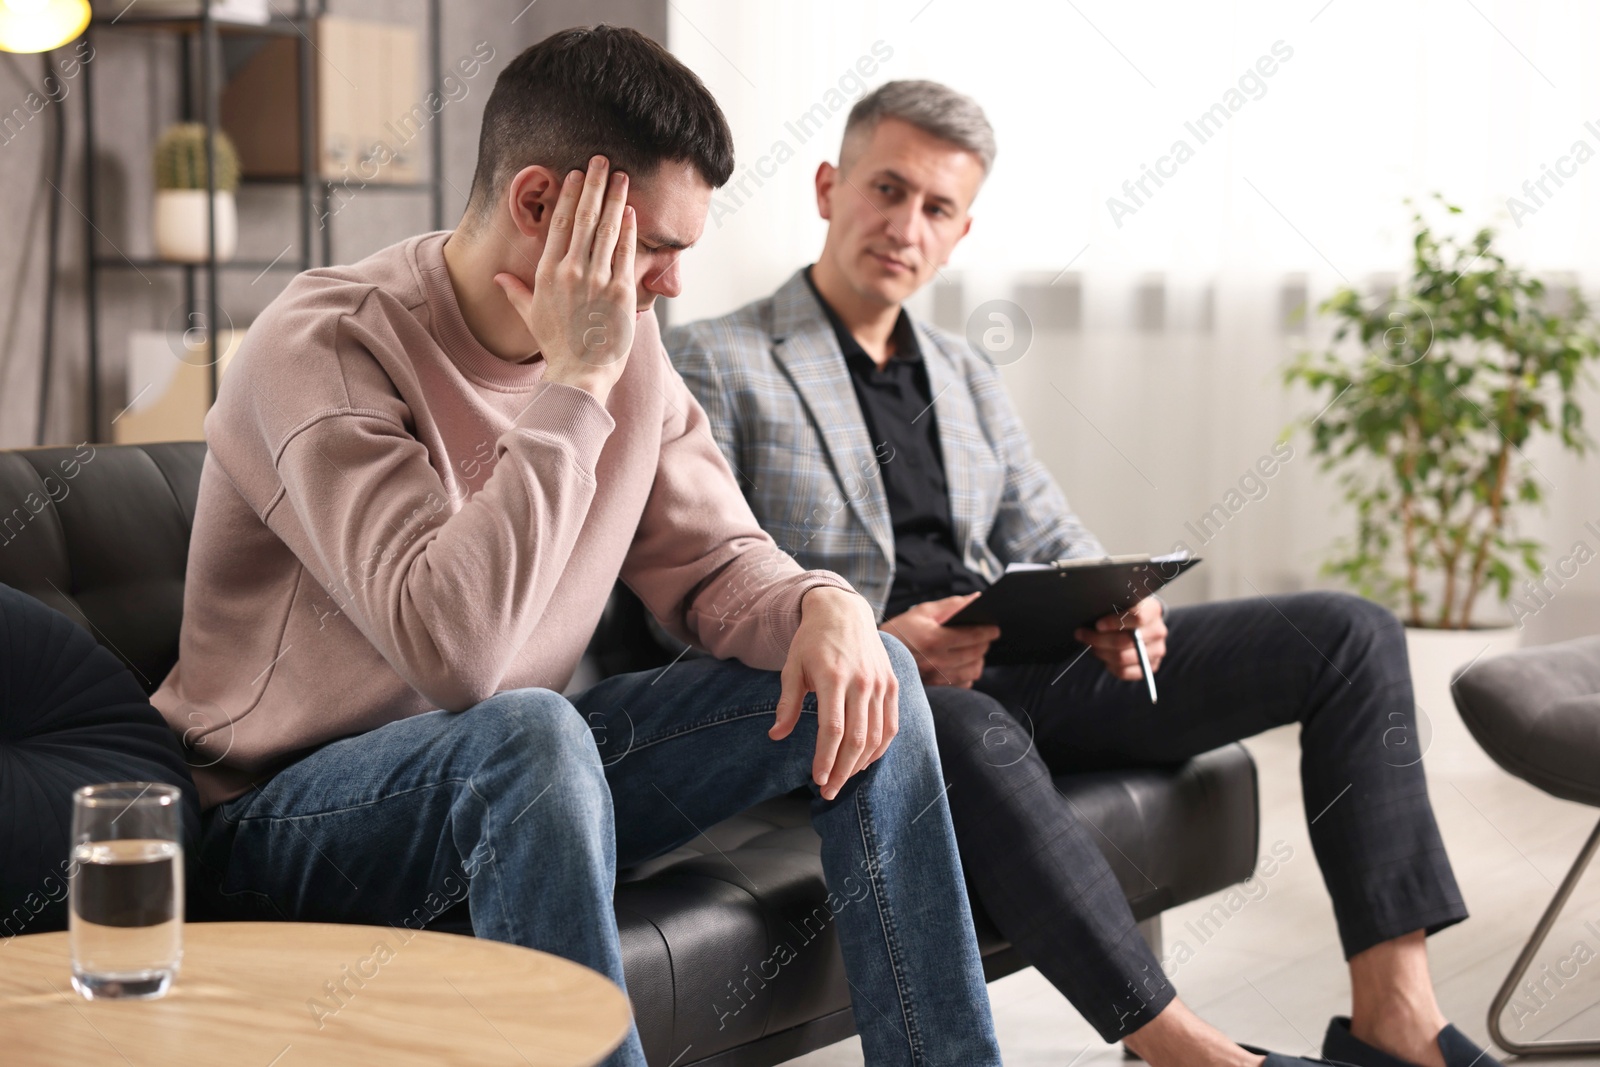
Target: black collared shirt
897,407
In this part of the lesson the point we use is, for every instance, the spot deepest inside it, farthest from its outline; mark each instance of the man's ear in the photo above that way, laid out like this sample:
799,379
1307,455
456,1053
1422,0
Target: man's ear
827,177
531,197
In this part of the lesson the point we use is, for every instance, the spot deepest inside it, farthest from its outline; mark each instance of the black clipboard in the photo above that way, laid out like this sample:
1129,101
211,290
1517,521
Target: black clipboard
1038,606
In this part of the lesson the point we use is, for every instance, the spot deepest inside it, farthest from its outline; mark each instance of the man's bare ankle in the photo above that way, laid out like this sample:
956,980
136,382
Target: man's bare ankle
1177,1037
1392,1000
1410,1036
1222,1054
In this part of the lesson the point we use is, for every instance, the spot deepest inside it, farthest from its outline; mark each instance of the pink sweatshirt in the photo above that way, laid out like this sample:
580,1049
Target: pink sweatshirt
392,519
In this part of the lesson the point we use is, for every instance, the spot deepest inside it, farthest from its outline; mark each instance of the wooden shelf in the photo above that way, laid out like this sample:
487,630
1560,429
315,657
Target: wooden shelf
200,73
192,23
376,186
126,262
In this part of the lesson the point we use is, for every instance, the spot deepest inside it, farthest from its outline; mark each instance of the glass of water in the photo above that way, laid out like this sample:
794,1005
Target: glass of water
126,919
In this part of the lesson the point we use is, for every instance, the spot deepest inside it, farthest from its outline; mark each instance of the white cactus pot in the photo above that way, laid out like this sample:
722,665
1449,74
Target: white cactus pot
180,225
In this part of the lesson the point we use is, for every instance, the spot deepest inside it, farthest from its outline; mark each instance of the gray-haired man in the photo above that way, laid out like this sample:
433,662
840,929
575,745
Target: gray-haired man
882,449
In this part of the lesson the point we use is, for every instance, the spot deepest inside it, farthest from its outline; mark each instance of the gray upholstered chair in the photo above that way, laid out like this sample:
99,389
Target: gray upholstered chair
1537,713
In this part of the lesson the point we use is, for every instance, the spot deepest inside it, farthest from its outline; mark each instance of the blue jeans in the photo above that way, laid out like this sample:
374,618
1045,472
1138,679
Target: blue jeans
529,802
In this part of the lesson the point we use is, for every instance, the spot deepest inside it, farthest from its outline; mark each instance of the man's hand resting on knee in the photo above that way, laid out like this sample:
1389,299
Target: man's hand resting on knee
837,654
1111,640
945,655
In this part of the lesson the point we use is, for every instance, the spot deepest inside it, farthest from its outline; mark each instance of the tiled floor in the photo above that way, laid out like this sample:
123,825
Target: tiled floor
1274,973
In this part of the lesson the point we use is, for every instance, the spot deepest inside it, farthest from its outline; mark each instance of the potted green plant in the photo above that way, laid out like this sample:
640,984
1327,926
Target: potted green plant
181,218
1426,404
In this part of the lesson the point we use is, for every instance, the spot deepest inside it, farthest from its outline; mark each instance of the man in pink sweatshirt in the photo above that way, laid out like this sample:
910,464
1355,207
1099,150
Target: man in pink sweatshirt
427,470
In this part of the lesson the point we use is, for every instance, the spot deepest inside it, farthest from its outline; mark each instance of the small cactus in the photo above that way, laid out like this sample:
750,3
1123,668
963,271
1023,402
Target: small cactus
181,159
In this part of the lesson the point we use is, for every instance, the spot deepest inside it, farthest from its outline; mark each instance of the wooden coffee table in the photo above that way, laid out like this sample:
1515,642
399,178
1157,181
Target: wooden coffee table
286,994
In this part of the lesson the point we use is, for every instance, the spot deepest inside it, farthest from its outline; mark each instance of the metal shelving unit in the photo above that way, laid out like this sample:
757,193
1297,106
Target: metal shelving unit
204,32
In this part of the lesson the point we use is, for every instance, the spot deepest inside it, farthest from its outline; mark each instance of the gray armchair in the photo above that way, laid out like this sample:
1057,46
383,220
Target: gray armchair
1536,712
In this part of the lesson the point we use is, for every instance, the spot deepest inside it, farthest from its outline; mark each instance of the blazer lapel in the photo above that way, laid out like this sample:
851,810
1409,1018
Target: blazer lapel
805,346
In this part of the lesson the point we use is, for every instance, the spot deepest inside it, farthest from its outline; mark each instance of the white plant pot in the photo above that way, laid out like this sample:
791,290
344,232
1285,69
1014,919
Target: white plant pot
180,225
1436,655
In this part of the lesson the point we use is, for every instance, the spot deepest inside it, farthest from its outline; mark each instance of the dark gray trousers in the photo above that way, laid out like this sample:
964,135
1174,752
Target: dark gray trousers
1334,663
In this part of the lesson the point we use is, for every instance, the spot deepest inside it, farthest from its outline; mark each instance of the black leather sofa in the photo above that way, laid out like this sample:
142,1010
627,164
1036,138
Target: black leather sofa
107,546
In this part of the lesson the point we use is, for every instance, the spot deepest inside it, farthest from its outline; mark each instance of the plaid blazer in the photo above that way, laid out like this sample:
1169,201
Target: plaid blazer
781,406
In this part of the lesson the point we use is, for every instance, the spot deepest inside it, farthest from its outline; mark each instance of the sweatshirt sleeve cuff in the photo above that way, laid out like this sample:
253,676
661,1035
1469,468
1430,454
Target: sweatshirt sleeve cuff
783,619
821,580
574,419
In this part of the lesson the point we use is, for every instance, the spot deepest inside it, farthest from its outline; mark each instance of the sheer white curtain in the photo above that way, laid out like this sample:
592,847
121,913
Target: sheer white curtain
1282,139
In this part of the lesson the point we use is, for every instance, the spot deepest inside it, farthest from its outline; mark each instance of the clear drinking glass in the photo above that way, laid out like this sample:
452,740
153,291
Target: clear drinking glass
126,920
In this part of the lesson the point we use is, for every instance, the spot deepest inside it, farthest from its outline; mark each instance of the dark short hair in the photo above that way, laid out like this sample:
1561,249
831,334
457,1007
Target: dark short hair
602,90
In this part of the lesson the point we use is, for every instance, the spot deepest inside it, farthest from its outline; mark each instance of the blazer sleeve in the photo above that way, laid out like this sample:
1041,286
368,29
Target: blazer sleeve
694,353
1034,524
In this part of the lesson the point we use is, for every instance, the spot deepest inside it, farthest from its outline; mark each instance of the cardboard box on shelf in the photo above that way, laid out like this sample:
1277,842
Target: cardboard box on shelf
400,127
368,107
254,12
169,386
260,109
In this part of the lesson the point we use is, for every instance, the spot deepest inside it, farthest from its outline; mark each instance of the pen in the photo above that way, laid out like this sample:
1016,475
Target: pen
1144,664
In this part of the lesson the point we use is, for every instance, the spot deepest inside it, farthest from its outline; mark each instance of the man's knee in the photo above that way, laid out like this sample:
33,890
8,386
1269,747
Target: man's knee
534,730
916,720
964,717
901,661
1354,617
1361,640
539,767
